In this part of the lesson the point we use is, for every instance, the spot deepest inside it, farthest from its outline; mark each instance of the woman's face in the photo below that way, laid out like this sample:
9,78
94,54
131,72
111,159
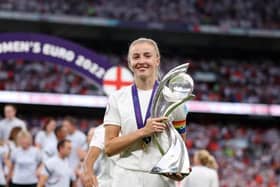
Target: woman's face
25,142
144,61
51,126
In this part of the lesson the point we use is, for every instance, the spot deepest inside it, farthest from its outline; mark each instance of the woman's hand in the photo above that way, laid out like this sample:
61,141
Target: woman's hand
154,125
89,180
174,176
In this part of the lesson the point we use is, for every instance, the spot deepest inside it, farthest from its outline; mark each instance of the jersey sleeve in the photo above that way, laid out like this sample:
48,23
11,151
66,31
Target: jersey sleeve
39,138
179,118
47,169
39,156
112,114
14,155
98,138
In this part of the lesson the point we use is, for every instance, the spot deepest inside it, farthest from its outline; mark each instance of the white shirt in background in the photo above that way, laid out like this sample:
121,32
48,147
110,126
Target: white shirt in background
78,140
42,138
201,176
6,125
25,165
104,165
48,144
58,171
49,150
3,150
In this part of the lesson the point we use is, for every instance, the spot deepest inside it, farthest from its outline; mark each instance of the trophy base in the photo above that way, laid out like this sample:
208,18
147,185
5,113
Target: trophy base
158,170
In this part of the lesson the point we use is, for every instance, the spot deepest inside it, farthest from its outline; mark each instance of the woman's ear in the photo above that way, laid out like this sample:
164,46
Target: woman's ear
158,61
129,66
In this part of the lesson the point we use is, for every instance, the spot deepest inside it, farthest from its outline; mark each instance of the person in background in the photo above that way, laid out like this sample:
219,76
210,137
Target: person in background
78,139
204,171
10,121
46,134
26,160
97,167
12,142
56,171
80,173
50,148
4,163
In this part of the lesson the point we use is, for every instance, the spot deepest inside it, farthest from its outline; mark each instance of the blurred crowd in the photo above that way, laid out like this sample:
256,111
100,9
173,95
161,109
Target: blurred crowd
228,80
246,156
223,13
43,77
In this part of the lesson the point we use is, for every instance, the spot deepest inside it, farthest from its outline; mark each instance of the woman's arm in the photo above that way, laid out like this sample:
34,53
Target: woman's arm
42,181
89,177
11,170
114,143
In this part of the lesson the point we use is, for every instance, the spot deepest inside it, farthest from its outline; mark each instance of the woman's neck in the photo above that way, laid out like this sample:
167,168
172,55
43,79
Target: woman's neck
145,84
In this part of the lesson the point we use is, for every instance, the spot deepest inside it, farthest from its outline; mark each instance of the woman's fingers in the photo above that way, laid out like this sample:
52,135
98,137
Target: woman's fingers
160,119
155,125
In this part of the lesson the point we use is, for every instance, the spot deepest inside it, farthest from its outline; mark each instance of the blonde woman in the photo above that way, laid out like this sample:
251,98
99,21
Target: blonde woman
26,160
204,172
128,114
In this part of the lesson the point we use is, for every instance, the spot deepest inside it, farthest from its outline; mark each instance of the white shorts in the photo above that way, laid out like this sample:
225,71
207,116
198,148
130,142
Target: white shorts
131,178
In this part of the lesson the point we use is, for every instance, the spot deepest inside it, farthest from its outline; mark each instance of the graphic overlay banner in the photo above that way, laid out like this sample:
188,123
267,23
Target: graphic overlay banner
30,46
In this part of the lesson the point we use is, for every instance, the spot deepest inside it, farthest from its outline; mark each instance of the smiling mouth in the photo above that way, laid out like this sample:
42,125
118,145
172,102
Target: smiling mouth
142,66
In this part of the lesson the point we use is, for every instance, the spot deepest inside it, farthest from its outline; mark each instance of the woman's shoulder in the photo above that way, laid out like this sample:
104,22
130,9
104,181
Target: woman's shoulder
201,169
123,92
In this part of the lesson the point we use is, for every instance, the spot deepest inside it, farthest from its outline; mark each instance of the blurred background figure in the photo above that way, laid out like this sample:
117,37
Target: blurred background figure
78,139
204,171
46,134
57,171
97,167
79,171
10,121
13,141
50,148
4,163
26,160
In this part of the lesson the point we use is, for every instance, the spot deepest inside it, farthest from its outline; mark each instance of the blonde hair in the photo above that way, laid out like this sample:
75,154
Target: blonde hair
206,159
143,40
23,134
212,163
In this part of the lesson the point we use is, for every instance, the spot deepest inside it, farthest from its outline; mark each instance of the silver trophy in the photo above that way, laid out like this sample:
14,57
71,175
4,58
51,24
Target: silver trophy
174,89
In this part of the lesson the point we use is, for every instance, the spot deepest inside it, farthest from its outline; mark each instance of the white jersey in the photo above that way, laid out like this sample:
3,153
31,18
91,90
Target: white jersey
120,112
58,171
50,149
11,145
42,138
78,140
201,176
6,125
103,166
25,165
3,150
